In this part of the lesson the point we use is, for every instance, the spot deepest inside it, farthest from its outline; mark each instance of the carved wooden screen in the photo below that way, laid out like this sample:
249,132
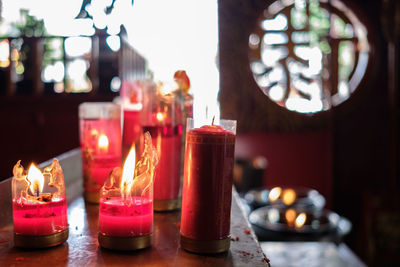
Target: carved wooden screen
306,56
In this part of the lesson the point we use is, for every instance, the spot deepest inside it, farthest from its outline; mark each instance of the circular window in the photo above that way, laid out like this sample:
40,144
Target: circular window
308,56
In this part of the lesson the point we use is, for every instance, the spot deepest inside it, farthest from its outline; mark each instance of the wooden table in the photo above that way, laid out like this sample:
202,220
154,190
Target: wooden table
82,247
289,254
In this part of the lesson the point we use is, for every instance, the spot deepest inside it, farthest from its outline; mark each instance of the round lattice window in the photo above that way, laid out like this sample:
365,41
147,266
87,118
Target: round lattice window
308,55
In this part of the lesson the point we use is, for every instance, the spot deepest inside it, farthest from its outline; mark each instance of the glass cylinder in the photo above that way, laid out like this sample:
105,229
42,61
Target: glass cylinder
207,187
126,202
100,138
131,100
39,206
162,117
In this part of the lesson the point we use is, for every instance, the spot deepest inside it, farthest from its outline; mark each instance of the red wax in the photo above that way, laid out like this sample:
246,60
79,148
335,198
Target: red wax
167,140
207,183
117,218
39,218
97,170
131,130
98,161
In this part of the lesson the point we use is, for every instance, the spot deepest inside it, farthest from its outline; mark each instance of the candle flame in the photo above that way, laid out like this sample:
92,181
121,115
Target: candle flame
165,88
94,132
160,116
128,173
274,194
103,143
35,179
290,216
301,219
288,196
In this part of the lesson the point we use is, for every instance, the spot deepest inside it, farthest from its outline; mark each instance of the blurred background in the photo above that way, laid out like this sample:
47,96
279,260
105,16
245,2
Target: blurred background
314,86
55,55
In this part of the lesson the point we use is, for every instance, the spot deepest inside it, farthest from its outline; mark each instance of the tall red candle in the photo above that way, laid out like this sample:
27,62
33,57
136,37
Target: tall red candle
126,202
162,117
131,129
131,101
39,206
100,137
207,188
167,140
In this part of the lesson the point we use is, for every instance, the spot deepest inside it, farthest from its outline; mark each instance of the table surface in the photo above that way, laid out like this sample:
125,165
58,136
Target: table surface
82,247
310,254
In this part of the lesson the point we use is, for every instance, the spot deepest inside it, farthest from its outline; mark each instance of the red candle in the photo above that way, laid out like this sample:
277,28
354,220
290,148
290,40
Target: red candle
162,117
126,202
100,136
35,217
131,130
167,140
97,170
118,219
207,189
131,100
39,206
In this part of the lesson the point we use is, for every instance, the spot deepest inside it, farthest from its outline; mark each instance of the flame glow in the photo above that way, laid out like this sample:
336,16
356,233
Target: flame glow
160,116
128,173
103,143
301,219
290,216
94,132
36,179
274,194
288,196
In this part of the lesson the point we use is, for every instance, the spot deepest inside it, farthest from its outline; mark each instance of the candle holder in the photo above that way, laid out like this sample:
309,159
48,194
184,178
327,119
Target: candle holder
126,203
207,187
162,117
39,206
100,138
131,100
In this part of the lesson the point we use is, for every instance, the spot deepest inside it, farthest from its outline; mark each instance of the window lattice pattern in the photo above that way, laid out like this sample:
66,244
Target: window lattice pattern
309,55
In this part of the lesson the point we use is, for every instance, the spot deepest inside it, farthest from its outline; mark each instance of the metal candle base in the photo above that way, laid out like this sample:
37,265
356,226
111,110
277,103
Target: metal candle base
125,242
40,241
205,246
166,204
92,197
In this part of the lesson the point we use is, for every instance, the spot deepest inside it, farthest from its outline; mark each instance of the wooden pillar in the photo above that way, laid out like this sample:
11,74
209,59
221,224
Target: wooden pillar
391,28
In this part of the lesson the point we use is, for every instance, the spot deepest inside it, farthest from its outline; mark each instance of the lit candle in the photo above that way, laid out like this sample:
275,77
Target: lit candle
39,206
131,98
207,187
126,203
100,135
162,117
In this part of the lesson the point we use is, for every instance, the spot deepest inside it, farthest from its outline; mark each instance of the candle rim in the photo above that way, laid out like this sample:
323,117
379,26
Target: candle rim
204,131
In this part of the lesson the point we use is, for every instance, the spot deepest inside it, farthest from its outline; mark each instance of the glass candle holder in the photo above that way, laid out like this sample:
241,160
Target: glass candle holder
131,100
39,206
162,117
207,187
126,203
100,138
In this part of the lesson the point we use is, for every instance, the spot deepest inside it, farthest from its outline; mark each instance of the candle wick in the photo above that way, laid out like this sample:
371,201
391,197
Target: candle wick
212,122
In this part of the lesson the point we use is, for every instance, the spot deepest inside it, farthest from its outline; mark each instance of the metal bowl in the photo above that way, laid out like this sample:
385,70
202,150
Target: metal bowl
282,223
